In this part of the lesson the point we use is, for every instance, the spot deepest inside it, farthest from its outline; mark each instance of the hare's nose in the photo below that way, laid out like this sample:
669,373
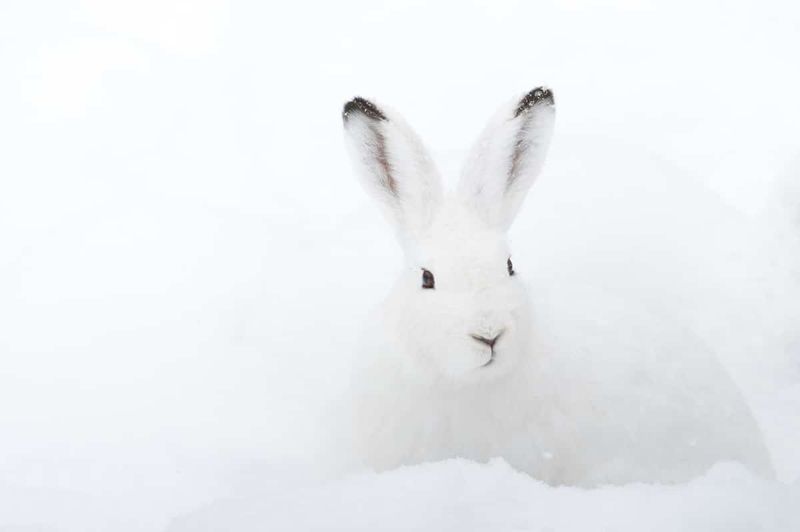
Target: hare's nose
488,341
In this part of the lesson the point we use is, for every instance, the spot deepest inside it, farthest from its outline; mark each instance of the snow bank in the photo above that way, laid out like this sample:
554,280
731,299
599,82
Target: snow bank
460,495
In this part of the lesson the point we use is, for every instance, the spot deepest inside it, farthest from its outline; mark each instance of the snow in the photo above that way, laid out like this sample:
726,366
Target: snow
461,495
186,257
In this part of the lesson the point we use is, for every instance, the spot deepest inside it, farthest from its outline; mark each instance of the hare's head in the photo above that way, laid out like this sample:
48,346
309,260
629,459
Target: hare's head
460,309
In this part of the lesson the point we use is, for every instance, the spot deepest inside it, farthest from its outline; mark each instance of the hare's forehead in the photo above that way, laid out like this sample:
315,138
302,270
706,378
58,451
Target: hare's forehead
457,241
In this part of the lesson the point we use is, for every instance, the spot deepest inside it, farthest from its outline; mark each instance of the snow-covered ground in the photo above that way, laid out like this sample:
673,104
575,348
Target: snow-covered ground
186,257
459,495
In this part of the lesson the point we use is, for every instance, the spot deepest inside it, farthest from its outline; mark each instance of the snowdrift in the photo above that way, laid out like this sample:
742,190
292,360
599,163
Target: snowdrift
458,495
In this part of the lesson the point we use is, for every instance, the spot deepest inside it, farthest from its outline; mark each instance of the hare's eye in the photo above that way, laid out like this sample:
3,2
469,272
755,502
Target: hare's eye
427,279
510,266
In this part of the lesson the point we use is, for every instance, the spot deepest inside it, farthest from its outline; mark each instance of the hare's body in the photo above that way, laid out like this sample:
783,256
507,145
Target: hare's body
566,414
457,364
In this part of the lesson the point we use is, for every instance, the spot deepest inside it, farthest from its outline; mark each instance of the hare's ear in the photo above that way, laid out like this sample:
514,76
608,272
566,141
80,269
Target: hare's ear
393,165
508,157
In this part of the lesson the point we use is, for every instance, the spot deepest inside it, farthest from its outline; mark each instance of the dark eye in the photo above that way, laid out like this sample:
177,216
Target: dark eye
427,279
510,267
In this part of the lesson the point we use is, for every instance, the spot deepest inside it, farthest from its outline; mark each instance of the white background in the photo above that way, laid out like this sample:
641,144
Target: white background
186,257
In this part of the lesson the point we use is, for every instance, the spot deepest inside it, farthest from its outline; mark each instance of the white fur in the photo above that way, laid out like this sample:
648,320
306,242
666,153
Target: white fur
422,389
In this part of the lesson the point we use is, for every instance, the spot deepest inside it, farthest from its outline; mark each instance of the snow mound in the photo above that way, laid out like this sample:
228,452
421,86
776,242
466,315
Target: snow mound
462,495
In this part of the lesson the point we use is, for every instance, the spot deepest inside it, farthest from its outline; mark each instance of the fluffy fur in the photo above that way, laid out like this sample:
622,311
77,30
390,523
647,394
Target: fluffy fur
427,388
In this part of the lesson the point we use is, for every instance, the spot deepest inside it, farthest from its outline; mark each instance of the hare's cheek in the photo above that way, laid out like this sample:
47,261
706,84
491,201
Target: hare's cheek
461,362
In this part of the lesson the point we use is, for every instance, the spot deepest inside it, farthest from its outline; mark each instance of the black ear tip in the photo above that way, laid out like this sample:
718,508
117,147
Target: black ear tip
534,97
363,106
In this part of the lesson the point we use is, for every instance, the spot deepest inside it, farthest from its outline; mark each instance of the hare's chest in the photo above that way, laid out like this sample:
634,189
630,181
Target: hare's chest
405,430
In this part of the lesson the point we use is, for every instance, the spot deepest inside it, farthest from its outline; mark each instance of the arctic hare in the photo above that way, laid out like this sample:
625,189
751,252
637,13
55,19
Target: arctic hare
458,364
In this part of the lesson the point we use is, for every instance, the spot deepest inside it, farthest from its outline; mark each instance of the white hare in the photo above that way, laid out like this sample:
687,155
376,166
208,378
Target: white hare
458,364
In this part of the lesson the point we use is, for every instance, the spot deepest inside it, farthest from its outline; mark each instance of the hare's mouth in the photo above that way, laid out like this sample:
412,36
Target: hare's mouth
490,341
